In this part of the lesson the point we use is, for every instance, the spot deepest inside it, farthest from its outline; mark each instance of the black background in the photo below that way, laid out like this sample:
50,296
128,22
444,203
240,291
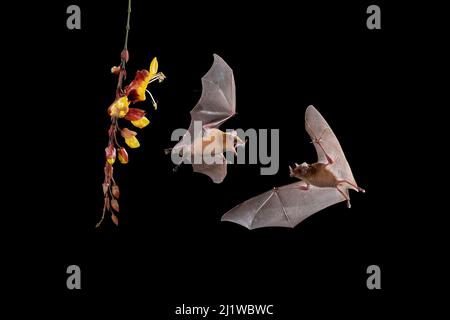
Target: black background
171,247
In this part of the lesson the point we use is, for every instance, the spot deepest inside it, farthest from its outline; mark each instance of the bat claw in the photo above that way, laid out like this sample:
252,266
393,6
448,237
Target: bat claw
349,205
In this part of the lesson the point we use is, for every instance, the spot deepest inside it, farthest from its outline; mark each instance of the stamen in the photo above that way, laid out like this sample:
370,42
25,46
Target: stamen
159,76
153,100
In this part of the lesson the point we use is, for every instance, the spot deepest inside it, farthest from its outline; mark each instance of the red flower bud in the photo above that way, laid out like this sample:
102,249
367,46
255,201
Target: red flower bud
125,55
115,205
115,191
114,219
134,114
107,203
108,171
122,155
110,153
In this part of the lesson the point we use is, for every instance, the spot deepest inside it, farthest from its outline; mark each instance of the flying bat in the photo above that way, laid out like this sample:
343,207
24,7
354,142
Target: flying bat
204,143
322,184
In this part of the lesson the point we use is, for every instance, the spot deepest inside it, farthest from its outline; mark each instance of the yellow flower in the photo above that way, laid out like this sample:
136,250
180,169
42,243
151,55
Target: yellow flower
141,123
130,138
137,88
119,108
132,142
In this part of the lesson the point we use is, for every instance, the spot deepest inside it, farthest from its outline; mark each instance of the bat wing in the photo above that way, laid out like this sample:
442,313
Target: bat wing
216,172
217,102
286,206
327,144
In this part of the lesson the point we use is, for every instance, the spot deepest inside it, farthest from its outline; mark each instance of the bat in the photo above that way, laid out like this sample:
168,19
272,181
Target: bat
204,139
322,184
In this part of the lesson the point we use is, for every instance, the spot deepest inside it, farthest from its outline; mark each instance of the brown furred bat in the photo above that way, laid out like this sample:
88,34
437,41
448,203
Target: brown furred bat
204,139
323,184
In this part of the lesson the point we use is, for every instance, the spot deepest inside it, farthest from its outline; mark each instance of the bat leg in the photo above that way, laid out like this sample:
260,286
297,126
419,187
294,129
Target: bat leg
353,185
349,205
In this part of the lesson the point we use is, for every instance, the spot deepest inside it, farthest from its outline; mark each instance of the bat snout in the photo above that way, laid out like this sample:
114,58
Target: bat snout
291,172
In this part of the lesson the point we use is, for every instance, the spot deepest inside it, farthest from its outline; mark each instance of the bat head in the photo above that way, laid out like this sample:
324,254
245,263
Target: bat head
234,140
300,170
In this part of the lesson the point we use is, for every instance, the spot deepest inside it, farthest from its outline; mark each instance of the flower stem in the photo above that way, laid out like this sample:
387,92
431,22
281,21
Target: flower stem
128,25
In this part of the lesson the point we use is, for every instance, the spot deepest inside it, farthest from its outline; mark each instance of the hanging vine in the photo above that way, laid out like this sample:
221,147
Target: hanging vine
133,93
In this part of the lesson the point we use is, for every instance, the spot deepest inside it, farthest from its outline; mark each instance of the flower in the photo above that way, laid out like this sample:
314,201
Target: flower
135,91
110,153
137,118
130,138
119,107
122,155
134,114
141,123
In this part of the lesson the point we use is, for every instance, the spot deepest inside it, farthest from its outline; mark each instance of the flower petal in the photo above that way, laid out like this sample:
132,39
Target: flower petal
132,142
127,133
119,108
134,114
141,123
153,67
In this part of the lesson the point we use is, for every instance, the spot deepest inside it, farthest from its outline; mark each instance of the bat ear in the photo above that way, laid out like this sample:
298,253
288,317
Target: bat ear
296,164
291,171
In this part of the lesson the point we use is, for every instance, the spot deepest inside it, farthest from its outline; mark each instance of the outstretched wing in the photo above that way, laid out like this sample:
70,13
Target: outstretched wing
327,145
286,206
217,102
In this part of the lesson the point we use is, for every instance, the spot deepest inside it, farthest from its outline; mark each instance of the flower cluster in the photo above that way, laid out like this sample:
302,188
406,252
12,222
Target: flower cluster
135,92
